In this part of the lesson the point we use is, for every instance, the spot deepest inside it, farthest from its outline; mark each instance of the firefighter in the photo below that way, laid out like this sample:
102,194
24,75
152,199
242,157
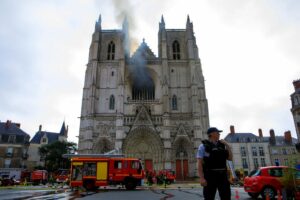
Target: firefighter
212,168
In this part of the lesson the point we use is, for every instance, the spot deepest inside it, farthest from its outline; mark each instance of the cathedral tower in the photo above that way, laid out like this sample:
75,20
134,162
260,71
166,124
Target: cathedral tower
295,98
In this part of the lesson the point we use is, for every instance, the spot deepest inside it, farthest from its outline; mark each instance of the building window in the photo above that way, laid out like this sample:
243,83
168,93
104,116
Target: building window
243,151
112,73
261,151
174,102
44,140
112,102
293,151
274,151
255,161
263,162
4,138
245,164
284,151
9,151
7,163
286,162
24,153
42,157
111,51
144,91
176,50
254,151
276,161
12,139
296,101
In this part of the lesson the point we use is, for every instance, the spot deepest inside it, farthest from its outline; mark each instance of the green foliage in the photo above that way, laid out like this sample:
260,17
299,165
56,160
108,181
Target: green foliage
39,167
289,179
53,152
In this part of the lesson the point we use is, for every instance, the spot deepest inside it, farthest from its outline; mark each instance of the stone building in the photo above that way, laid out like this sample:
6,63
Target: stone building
43,138
295,98
14,143
249,151
282,149
147,106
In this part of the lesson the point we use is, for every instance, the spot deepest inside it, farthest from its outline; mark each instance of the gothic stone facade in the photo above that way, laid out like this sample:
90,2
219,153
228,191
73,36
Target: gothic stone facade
150,107
295,98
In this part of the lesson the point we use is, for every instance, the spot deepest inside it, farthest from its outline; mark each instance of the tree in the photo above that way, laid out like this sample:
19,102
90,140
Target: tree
53,152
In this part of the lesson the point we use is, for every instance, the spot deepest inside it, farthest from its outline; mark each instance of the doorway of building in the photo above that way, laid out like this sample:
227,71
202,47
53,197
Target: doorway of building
182,169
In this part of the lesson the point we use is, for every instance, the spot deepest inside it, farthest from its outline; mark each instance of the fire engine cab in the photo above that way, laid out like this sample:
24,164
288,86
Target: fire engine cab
94,170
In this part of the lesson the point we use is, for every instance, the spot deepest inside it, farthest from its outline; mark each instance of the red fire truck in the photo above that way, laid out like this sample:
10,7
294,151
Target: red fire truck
39,176
92,171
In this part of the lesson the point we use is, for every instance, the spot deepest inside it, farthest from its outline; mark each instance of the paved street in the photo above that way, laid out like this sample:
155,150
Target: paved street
158,193
172,192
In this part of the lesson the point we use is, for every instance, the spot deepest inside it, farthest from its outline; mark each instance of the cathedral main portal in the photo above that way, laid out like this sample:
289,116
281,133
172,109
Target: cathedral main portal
145,143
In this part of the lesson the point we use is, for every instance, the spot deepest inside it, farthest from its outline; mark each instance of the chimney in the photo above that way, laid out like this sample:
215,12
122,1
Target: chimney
272,139
288,137
7,124
18,125
40,128
260,133
232,129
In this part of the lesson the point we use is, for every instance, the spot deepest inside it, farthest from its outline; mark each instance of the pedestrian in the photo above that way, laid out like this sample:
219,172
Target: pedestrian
212,167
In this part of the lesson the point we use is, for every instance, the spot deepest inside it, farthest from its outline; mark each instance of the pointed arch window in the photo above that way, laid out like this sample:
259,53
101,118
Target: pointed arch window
112,102
176,50
174,102
111,51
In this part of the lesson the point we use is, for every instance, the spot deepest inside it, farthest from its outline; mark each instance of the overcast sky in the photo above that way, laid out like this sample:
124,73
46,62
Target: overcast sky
250,54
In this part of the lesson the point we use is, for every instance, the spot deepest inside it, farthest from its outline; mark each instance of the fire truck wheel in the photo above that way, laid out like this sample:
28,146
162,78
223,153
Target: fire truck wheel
89,185
130,183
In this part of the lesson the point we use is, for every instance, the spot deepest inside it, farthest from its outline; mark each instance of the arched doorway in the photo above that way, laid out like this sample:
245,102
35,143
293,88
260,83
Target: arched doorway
182,152
145,143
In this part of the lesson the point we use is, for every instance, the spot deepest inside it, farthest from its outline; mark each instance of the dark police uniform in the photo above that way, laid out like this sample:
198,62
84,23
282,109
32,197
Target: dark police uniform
215,170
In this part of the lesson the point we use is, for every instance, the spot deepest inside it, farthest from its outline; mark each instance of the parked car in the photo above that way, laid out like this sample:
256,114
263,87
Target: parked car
9,182
61,175
269,180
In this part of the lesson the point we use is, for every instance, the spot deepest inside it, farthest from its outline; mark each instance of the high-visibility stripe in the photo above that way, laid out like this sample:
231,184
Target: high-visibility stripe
77,163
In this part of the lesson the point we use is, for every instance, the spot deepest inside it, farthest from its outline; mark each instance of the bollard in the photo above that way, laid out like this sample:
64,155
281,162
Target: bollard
237,194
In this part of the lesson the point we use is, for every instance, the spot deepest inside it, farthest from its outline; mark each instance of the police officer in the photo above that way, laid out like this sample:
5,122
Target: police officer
212,168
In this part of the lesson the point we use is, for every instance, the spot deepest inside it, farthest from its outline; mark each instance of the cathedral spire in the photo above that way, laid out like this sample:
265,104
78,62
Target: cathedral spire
99,19
162,23
188,19
98,24
189,24
189,28
162,19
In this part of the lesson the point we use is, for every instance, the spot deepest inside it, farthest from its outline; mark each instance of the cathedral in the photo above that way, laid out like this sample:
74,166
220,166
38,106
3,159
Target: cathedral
146,106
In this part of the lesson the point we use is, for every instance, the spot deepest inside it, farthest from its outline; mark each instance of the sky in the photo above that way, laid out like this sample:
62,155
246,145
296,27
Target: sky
249,50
